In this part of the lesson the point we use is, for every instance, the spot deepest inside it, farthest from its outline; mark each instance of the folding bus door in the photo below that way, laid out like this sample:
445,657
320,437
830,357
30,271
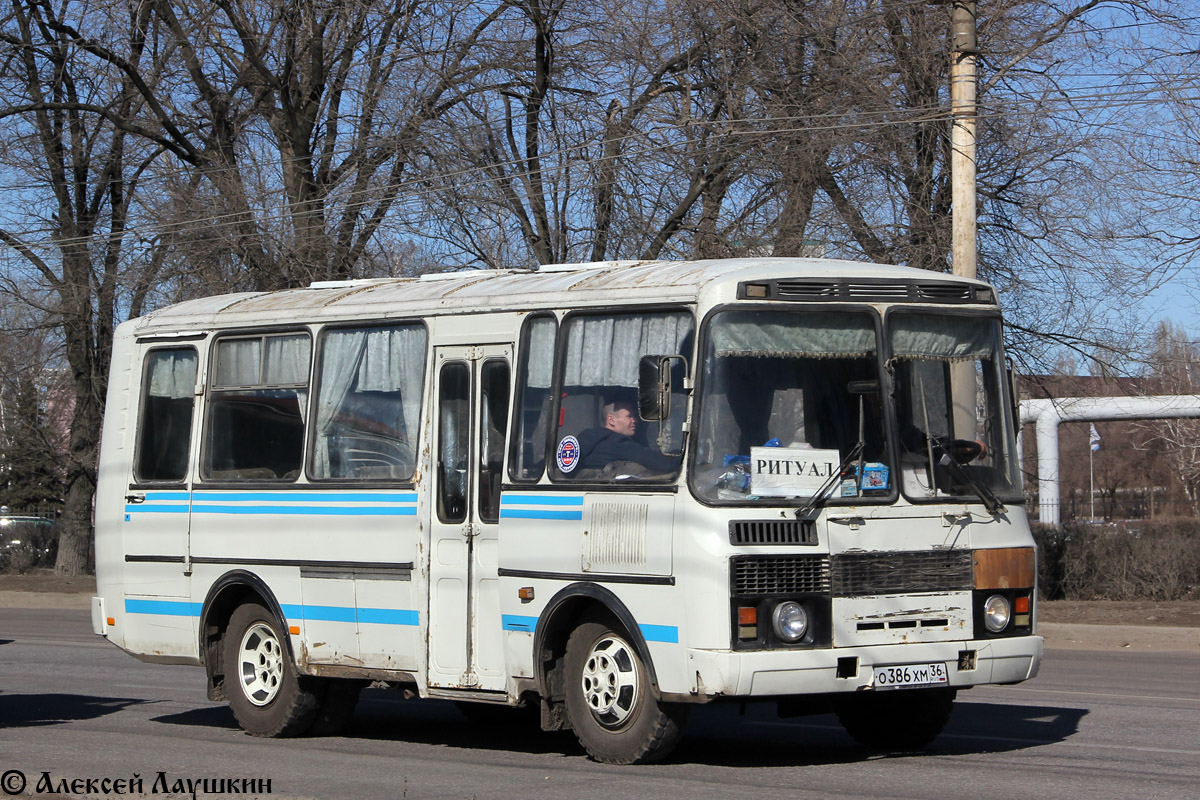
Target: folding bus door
471,418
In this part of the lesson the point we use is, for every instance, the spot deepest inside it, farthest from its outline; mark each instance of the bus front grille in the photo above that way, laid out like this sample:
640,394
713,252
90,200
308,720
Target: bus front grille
772,575
772,531
858,574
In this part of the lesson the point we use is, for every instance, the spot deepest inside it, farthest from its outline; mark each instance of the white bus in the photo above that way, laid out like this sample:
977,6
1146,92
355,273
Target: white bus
608,491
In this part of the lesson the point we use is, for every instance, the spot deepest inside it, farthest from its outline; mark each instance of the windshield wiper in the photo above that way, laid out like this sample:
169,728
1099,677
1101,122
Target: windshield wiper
835,479
952,465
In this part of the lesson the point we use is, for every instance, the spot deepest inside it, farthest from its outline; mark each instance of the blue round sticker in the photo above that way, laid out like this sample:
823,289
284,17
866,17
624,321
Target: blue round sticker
567,454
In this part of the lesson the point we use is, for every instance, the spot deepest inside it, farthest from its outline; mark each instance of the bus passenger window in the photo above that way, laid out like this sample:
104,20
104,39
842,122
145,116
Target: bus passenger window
600,435
165,424
493,421
454,441
256,408
369,403
528,459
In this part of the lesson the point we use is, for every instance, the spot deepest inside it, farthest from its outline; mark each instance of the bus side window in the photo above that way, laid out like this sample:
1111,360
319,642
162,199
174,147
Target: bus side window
164,436
256,407
532,414
599,435
493,421
368,403
454,441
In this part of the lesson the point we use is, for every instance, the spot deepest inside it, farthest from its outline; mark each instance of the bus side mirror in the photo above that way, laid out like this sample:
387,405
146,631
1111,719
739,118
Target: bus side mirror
654,386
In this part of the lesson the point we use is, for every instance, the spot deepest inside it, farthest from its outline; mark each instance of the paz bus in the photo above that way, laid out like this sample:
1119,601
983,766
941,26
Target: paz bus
817,500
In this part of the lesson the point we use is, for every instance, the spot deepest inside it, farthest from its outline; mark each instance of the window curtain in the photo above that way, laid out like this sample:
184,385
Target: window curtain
945,338
604,351
793,335
238,362
172,374
368,360
540,364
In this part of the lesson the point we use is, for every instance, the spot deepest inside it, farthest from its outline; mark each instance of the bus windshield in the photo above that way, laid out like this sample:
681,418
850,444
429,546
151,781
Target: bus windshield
788,399
954,416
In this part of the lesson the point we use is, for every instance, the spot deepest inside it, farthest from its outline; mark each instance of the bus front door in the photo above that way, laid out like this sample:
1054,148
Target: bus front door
466,646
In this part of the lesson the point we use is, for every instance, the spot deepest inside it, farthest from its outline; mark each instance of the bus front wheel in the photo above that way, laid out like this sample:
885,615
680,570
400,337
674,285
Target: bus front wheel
265,693
896,720
610,701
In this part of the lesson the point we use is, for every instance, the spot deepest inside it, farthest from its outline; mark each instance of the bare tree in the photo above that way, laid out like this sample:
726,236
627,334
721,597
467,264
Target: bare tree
1174,365
69,133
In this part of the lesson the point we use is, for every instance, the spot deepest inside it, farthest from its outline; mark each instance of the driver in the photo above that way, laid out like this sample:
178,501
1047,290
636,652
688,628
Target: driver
613,442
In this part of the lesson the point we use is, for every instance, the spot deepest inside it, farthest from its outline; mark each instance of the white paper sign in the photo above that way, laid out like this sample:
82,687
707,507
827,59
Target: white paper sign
790,471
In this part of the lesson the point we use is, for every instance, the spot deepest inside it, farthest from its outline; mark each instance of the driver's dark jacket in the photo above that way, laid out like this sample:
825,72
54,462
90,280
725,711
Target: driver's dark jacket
599,447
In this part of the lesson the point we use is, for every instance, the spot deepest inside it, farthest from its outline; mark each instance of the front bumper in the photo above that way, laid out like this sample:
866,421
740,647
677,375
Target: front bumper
849,669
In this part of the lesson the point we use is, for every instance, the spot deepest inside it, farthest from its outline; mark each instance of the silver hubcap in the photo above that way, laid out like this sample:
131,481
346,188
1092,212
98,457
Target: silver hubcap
611,685
260,663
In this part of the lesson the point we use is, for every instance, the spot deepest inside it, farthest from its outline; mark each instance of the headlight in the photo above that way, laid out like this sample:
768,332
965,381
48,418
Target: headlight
996,613
790,621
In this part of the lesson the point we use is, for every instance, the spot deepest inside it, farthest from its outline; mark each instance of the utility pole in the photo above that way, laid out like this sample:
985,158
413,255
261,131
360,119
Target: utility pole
963,128
964,241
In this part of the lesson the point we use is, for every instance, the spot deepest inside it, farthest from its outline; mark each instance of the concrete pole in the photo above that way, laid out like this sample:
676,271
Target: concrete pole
963,129
964,240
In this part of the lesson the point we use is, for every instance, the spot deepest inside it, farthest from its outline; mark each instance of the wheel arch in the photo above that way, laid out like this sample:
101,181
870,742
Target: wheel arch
233,589
559,618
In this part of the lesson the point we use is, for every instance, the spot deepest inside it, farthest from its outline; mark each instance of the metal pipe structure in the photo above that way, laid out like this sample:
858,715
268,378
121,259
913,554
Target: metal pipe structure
1047,415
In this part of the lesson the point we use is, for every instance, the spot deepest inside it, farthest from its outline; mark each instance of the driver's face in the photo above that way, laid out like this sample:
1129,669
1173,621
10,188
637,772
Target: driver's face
623,422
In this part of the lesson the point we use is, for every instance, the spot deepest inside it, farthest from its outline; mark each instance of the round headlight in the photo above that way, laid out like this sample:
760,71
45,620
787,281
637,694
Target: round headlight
996,613
790,621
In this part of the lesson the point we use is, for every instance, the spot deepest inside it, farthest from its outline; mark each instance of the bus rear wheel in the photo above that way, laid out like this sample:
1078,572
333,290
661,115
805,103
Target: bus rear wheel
266,695
611,703
897,720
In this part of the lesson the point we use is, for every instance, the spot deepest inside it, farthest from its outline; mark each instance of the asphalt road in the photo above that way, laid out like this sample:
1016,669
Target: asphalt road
1092,725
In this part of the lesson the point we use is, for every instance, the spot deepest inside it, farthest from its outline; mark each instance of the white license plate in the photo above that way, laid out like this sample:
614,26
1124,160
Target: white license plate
911,675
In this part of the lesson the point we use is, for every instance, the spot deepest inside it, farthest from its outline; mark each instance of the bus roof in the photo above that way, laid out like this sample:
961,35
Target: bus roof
554,286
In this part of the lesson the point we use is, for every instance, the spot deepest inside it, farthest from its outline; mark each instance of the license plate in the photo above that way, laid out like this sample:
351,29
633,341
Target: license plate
911,675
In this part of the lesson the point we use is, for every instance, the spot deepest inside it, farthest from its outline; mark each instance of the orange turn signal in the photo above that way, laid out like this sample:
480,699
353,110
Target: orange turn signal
294,630
1021,604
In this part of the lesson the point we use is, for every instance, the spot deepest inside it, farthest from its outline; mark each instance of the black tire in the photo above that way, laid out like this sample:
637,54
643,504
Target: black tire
338,698
897,720
266,695
611,703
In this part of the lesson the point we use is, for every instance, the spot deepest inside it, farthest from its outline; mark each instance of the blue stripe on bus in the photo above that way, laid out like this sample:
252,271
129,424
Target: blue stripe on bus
377,616
660,633
329,511
166,608
144,508
540,500
310,496
538,513
389,616
303,503
513,622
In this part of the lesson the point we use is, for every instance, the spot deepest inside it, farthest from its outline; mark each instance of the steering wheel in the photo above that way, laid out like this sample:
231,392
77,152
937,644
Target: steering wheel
963,451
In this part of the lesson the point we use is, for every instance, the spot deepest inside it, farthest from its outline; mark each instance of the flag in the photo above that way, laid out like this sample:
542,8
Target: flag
1094,438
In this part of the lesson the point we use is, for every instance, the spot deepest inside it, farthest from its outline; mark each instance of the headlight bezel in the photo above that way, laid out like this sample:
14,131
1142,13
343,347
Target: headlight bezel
997,613
780,626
